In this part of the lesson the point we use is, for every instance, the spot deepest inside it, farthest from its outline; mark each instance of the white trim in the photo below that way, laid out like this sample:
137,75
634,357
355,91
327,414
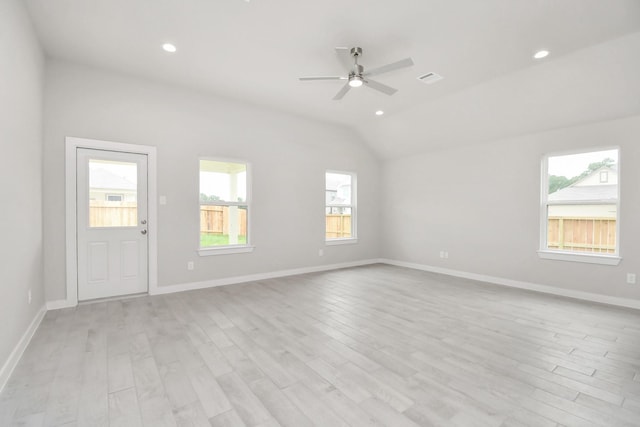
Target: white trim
21,346
71,146
259,276
225,250
581,202
553,290
576,257
59,304
345,241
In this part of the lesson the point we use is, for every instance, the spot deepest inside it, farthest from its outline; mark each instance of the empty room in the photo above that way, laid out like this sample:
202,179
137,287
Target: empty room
269,213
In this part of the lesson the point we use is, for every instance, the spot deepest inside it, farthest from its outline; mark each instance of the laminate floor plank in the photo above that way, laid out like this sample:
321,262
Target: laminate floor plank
123,409
282,409
366,346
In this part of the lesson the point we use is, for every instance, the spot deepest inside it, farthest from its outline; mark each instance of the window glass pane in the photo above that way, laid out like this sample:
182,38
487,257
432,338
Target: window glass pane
338,222
113,194
223,181
586,228
223,225
576,222
338,188
575,172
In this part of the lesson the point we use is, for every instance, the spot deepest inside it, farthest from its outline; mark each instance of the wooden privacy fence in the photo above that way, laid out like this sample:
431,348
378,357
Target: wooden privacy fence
215,220
113,214
338,226
582,234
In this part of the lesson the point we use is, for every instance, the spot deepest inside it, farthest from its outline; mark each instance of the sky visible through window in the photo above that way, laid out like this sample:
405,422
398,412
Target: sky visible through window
124,170
574,164
218,184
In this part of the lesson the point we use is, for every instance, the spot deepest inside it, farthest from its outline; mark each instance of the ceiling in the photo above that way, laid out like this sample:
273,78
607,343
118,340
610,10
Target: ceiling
255,51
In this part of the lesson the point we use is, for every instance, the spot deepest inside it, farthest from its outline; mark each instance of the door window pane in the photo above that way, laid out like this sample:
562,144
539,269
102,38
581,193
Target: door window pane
113,193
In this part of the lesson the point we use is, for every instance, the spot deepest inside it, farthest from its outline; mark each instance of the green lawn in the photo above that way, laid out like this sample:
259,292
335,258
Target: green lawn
208,240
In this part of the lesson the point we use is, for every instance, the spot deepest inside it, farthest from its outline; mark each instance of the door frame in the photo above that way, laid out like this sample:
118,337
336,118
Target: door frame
71,149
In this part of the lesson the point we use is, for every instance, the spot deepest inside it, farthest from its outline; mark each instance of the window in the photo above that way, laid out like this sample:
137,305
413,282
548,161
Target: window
579,209
604,177
114,197
224,207
340,207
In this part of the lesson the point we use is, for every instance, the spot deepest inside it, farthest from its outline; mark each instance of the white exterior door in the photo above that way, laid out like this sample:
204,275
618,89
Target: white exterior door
111,223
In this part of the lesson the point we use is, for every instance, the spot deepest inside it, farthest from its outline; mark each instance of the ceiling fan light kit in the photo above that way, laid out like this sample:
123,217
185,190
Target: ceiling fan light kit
358,77
355,81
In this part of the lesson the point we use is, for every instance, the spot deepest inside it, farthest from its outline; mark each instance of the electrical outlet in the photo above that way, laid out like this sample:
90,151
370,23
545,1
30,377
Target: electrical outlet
29,296
321,252
190,265
444,254
631,278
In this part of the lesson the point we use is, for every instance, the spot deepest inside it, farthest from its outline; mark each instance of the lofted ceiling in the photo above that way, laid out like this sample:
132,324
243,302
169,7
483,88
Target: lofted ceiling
255,51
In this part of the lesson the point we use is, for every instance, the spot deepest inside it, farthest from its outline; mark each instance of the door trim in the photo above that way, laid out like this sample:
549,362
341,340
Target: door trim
71,147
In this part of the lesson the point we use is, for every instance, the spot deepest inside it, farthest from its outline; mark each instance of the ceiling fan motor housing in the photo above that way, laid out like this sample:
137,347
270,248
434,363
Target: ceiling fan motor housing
357,70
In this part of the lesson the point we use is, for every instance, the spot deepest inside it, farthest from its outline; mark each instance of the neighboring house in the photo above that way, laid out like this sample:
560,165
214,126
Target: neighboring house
600,185
106,186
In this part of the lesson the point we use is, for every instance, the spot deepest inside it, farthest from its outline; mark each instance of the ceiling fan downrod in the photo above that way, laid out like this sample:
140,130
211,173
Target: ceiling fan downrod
355,76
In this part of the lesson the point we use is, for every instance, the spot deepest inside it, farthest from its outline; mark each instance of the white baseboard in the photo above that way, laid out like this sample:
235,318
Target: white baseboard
58,304
253,277
16,354
586,296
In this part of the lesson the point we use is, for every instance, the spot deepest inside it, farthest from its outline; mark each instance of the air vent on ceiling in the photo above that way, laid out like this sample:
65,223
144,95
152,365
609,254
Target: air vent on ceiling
430,78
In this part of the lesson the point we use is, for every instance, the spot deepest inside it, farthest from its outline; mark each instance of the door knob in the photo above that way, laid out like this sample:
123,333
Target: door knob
143,222
143,231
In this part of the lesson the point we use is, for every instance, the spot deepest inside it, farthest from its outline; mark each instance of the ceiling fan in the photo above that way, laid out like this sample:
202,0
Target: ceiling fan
358,77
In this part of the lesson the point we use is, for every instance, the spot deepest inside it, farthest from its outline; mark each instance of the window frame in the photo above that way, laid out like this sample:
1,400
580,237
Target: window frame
353,205
227,249
591,258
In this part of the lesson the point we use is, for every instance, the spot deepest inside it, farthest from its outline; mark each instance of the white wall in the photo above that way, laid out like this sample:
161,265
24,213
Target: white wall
288,154
481,204
21,76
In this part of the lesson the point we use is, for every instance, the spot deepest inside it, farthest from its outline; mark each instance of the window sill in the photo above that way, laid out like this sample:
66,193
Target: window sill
574,257
225,250
341,242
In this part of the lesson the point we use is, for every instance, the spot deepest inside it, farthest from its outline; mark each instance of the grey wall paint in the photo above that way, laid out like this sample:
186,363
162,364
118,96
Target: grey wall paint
289,156
21,68
481,204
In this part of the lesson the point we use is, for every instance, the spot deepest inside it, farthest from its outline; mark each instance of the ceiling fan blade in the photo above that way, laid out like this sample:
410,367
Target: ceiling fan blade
323,78
342,92
380,87
407,62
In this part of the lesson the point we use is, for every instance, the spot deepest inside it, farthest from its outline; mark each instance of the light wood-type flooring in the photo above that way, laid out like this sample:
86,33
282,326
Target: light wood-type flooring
368,346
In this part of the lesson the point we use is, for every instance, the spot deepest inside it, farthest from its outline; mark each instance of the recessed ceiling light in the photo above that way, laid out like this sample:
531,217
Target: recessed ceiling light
168,47
379,113
541,54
